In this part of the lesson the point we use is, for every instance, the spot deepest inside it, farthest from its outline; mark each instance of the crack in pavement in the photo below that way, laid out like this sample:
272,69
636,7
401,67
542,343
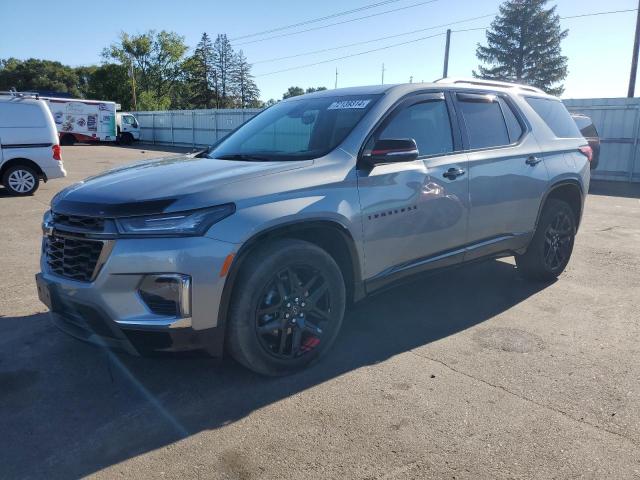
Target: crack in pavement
527,399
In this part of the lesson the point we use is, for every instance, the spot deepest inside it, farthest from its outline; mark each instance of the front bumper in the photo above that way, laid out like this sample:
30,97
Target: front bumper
108,311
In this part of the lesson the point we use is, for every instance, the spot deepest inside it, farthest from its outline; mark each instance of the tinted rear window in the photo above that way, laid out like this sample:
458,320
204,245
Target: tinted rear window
513,125
21,115
485,124
556,116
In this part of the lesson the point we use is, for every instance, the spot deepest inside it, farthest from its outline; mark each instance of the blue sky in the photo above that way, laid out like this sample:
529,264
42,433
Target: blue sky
599,48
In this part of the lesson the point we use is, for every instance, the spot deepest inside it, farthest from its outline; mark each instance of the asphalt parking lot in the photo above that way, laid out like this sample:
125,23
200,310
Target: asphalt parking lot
473,373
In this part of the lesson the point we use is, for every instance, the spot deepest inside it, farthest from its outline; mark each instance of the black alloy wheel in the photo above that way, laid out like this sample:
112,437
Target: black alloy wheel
558,241
294,311
287,307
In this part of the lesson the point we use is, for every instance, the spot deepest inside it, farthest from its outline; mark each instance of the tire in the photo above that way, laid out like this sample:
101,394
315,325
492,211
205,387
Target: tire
126,139
305,309
21,180
67,139
552,244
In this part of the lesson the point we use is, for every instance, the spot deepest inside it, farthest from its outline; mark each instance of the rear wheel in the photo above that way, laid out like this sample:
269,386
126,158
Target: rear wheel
67,139
286,309
21,180
552,244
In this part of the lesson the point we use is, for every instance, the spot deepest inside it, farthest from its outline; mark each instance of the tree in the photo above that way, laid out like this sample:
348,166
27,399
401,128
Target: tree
317,89
295,91
292,92
524,46
223,66
245,89
107,82
40,75
200,74
157,59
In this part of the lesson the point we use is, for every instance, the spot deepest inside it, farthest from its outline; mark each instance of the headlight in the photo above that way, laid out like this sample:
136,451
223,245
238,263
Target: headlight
191,223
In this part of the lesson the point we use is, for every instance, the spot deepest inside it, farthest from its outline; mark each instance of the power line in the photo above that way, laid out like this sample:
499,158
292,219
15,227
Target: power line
372,40
352,55
319,19
337,23
425,38
594,14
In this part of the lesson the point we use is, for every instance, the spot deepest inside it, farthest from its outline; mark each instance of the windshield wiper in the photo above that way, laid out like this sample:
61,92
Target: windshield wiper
247,157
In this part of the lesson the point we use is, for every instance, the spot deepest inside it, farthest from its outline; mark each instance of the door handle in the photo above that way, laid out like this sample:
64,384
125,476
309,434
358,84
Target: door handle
533,160
453,173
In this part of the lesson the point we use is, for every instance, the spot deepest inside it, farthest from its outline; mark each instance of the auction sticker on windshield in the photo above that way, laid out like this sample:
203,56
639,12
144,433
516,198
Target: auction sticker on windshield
347,104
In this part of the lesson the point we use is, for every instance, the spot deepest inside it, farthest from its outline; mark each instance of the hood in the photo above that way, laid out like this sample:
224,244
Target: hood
163,185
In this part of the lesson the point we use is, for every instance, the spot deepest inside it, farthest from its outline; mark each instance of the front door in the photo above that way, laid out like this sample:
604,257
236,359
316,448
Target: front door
414,213
507,175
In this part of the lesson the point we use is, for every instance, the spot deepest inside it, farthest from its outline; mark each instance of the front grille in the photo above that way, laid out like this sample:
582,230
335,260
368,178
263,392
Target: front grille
74,258
89,224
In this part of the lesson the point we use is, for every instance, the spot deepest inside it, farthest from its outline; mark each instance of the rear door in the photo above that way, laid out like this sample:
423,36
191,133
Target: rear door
414,215
507,175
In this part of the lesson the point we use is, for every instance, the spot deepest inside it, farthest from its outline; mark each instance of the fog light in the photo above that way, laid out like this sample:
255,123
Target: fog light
167,294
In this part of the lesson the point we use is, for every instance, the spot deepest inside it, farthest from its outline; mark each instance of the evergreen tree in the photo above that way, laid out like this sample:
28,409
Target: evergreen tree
200,74
524,46
223,67
245,89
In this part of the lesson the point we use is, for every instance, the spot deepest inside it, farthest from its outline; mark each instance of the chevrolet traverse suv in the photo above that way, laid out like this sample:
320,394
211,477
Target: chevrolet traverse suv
256,245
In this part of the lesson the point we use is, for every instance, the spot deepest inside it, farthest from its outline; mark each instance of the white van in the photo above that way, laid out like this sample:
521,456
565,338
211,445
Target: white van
29,146
128,128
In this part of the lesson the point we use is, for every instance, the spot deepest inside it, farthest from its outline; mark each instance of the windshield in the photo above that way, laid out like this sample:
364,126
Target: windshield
296,130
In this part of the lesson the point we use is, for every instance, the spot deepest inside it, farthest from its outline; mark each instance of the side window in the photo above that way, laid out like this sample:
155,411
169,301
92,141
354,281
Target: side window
513,125
427,123
556,116
486,126
128,119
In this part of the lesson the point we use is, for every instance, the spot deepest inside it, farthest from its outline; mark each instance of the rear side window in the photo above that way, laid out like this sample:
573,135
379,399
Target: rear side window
21,115
586,127
556,116
427,123
513,125
485,122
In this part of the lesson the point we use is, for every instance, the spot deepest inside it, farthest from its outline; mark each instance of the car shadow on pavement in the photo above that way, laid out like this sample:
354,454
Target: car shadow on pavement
68,409
614,189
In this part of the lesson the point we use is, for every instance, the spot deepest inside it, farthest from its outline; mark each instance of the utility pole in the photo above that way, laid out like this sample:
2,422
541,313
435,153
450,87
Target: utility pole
383,74
634,60
445,72
336,84
133,84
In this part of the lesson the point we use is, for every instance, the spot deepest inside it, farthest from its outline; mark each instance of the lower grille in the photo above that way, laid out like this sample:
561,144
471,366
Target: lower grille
74,258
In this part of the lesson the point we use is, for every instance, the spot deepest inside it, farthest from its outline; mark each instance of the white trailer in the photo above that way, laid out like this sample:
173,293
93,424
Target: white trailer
83,120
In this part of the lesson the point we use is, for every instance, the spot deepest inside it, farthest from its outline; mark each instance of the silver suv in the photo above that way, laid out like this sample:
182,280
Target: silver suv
257,244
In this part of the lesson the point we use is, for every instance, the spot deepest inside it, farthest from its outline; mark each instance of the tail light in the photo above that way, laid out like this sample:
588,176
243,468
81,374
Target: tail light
587,151
57,152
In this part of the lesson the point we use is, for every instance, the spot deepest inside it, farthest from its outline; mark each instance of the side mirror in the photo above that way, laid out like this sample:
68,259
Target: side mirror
393,151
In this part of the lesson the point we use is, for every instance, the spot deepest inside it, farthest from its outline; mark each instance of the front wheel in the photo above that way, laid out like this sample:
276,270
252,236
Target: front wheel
126,139
552,243
286,309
